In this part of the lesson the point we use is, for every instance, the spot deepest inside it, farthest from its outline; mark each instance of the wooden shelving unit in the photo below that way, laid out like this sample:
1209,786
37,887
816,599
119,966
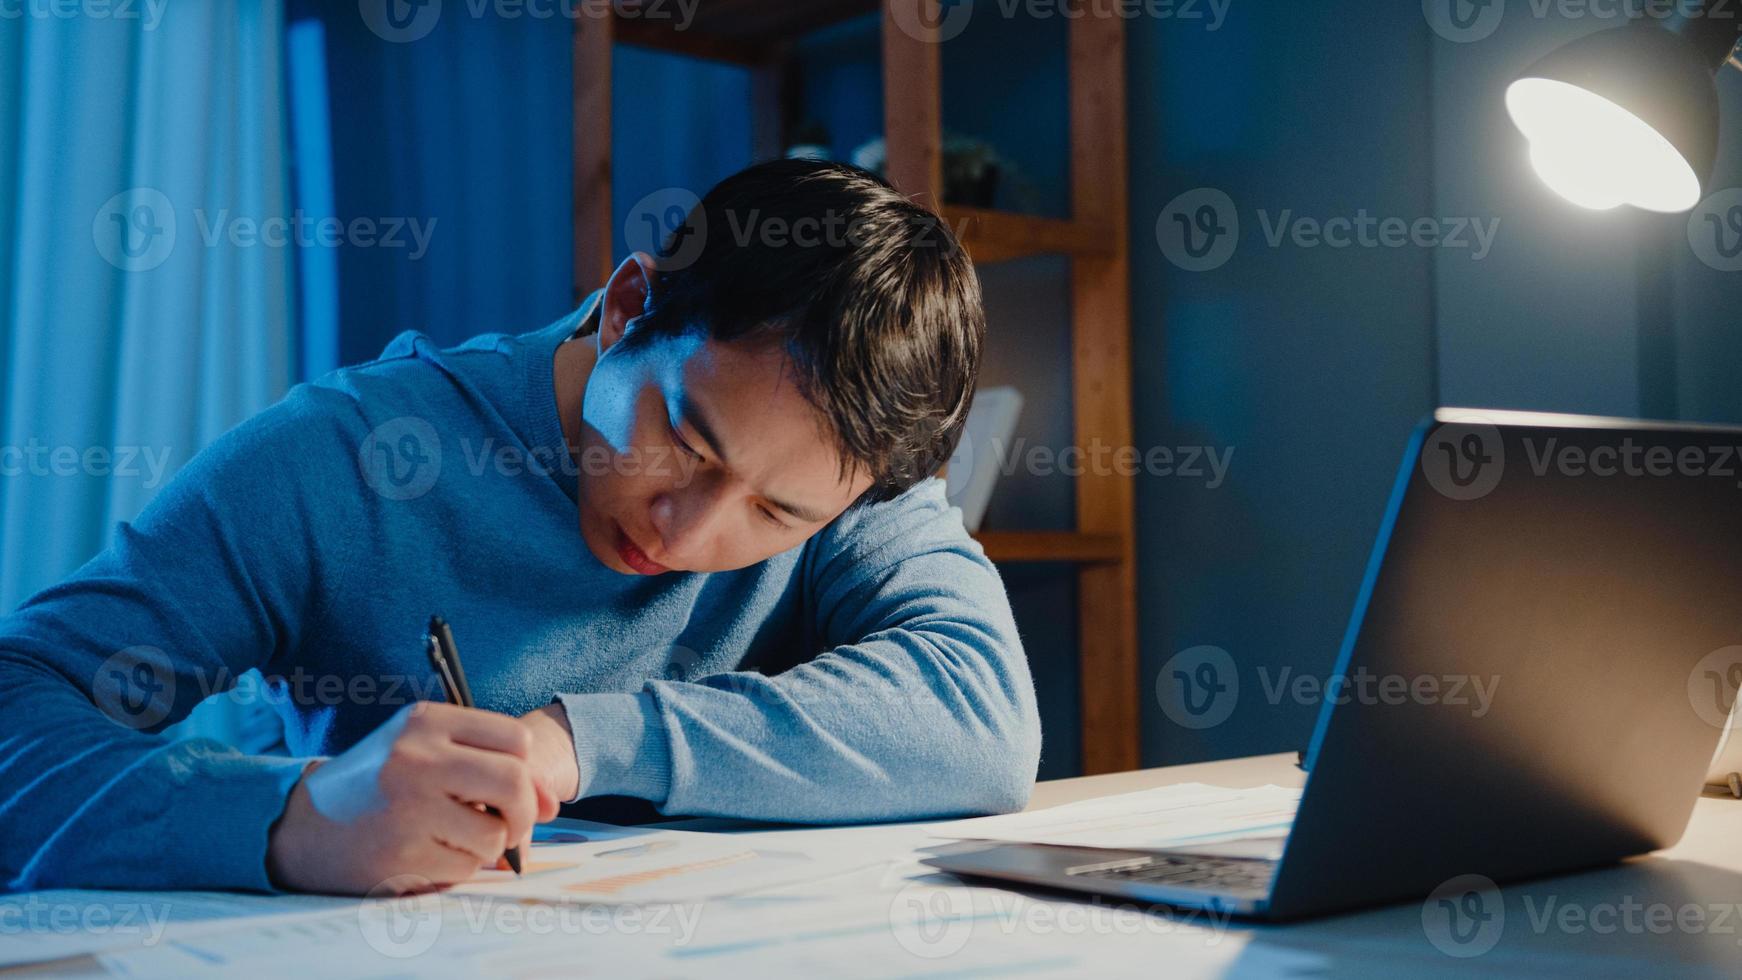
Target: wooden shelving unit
759,34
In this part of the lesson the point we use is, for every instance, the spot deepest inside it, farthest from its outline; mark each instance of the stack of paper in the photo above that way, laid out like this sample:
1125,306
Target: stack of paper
1168,818
581,861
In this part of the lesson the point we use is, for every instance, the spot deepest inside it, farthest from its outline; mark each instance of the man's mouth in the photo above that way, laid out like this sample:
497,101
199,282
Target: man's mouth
635,558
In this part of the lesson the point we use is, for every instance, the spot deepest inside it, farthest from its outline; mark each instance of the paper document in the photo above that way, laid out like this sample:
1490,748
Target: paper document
891,917
581,861
1185,815
48,925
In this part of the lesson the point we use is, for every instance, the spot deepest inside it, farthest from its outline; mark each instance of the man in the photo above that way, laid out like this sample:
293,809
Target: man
688,540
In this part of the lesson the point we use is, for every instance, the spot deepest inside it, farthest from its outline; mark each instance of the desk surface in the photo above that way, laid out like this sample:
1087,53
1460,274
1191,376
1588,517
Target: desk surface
1678,912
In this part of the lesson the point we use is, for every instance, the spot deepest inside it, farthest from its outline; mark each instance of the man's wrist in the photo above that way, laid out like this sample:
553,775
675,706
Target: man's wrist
281,839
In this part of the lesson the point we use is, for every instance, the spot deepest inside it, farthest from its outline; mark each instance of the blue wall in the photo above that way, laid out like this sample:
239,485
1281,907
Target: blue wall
1309,364
467,132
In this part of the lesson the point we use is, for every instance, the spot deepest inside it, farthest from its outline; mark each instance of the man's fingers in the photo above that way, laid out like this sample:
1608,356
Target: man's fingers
493,779
466,828
481,729
548,805
449,864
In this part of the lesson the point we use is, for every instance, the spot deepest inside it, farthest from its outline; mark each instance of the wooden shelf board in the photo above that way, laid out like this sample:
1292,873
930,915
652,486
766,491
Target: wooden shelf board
998,236
1067,546
748,31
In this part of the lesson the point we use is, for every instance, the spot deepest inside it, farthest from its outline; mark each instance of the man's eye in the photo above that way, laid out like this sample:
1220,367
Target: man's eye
681,444
771,518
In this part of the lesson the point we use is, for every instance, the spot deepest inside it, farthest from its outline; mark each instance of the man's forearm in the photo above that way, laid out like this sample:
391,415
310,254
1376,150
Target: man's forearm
893,728
619,745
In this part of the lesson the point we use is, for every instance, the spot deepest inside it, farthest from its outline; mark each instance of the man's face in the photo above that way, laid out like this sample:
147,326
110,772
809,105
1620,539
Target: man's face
703,456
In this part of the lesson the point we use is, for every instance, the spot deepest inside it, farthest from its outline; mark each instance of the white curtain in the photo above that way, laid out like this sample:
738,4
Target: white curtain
142,309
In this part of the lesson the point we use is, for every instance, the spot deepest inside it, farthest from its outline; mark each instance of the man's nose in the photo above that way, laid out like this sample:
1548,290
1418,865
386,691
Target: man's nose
687,520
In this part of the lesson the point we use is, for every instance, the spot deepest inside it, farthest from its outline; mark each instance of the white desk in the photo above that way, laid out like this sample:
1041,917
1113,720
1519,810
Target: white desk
1703,870
1634,920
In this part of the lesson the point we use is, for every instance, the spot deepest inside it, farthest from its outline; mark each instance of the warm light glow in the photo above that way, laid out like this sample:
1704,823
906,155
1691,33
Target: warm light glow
1595,153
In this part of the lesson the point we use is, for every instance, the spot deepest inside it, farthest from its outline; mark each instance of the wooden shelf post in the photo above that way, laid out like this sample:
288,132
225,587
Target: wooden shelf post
913,128
590,75
1101,386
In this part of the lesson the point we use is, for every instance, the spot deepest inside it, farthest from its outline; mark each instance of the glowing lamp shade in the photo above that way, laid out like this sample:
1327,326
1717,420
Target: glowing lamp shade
1595,153
1623,116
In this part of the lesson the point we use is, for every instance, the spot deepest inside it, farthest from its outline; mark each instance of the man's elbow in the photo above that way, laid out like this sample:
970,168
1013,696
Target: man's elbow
1008,762
990,750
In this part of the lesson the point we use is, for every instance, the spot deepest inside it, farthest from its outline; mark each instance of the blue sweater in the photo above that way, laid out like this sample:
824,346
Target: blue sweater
873,673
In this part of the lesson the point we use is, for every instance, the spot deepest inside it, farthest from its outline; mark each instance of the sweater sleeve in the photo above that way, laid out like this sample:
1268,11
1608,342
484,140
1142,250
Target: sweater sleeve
920,704
212,579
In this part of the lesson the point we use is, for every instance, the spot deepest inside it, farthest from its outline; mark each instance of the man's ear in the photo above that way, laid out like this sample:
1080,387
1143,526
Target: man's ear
627,297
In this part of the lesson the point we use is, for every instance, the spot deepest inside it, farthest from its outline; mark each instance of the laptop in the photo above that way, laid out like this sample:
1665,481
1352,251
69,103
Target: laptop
1591,570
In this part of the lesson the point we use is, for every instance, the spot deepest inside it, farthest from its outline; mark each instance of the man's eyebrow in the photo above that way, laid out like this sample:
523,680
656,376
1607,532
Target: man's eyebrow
802,513
698,419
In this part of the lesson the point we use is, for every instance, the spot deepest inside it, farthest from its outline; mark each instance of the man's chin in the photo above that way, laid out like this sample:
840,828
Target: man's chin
598,532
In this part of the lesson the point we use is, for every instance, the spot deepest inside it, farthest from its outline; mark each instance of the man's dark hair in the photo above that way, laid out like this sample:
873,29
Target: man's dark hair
873,299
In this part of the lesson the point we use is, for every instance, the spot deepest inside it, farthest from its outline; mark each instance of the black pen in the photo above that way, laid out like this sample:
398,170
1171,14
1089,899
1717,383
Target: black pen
445,657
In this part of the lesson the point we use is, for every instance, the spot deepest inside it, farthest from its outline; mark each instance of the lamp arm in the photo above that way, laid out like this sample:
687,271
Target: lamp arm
1709,28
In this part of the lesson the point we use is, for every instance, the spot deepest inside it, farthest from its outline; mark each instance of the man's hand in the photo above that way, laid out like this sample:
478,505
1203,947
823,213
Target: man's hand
553,751
407,800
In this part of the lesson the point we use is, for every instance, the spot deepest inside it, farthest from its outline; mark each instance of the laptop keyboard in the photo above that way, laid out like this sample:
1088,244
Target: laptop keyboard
1184,871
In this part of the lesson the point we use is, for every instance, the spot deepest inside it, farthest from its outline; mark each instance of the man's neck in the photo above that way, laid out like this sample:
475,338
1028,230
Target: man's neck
575,358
